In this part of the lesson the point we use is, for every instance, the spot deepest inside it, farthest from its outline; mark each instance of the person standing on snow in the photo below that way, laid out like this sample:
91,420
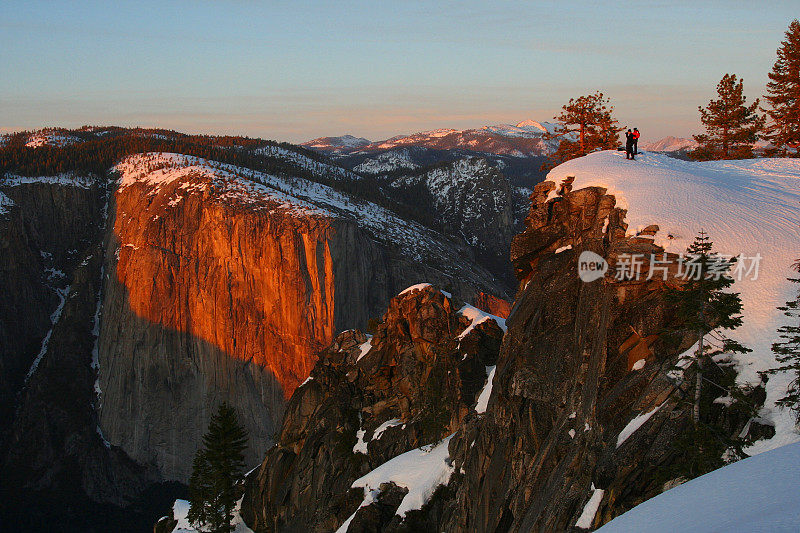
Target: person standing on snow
629,145
635,141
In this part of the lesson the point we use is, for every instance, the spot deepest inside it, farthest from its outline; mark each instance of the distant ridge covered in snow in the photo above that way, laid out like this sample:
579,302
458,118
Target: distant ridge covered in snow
523,139
342,143
670,144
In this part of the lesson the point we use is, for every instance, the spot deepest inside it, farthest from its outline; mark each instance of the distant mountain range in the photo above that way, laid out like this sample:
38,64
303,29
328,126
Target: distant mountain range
517,149
521,140
670,144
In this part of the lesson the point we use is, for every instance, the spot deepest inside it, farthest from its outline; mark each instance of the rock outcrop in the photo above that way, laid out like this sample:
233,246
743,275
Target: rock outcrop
369,400
566,390
223,284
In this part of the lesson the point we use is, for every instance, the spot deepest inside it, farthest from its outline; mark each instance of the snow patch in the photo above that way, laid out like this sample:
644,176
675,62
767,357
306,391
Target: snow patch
420,471
635,424
590,509
476,316
365,348
486,392
62,296
417,287
383,427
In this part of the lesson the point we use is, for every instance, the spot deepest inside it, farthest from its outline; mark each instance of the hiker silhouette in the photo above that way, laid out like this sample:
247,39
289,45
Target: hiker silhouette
629,145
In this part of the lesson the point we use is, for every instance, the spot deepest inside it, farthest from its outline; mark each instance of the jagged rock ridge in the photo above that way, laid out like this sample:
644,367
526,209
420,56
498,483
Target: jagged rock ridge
368,400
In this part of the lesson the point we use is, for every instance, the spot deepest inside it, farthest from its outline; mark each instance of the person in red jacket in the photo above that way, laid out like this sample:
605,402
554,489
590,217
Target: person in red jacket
635,141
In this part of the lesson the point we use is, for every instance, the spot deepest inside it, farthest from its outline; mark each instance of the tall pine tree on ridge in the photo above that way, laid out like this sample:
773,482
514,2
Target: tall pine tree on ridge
732,126
590,120
703,305
787,352
783,129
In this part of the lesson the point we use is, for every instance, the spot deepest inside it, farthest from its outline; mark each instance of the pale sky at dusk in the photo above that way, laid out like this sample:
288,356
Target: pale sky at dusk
298,70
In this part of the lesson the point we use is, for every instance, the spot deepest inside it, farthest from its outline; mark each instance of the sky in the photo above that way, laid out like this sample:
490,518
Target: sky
293,71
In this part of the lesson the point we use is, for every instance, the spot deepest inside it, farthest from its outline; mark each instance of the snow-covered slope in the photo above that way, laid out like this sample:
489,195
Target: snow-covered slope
319,169
66,178
471,198
670,144
521,140
760,493
747,207
48,137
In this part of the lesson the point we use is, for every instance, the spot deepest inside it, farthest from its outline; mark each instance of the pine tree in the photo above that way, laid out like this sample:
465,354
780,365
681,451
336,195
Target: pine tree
703,306
732,126
586,124
787,351
216,468
784,95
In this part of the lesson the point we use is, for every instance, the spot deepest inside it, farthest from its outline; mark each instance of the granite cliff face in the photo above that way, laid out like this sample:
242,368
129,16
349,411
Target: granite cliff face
45,227
576,420
223,284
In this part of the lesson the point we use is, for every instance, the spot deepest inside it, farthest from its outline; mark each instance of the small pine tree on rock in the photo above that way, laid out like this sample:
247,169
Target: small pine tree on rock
216,468
732,126
787,352
586,124
783,96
